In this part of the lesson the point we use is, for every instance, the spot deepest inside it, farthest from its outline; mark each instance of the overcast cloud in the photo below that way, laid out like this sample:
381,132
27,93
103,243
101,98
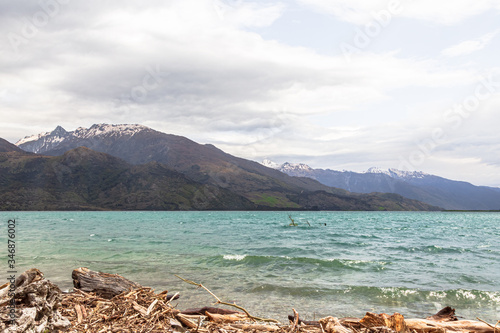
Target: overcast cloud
340,84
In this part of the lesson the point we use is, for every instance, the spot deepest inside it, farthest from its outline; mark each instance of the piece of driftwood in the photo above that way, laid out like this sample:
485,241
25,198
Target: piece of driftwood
103,284
431,326
304,322
213,310
295,322
188,320
37,305
29,276
333,325
445,314
351,322
170,298
373,320
227,318
397,322
394,322
441,322
255,327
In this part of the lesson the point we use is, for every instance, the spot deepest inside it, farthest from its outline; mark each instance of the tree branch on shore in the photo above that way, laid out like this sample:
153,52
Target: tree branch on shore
199,285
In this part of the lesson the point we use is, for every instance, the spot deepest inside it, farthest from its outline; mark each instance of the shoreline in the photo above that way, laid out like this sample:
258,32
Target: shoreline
276,304
97,299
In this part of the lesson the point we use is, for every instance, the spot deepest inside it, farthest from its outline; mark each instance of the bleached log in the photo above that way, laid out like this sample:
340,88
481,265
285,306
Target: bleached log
226,318
103,284
431,326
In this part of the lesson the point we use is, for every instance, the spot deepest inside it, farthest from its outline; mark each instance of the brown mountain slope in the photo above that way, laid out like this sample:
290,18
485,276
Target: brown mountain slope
6,146
204,164
201,163
82,179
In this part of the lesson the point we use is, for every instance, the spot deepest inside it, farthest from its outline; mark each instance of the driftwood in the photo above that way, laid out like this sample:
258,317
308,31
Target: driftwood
430,326
103,284
255,327
395,322
42,307
190,321
445,314
140,310
304,322
333,325
443,323
37,305
204,310
227,318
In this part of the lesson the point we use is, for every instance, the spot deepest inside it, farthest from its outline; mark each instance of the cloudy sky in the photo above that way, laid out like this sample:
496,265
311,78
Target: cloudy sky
340,84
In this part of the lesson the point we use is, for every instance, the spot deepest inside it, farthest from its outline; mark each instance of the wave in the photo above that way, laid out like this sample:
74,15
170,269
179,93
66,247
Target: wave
432,249
250,260
237,257
389,295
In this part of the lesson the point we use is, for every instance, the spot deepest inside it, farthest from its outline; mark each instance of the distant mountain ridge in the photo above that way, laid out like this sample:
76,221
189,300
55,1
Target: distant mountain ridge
417,185
264,187
398,174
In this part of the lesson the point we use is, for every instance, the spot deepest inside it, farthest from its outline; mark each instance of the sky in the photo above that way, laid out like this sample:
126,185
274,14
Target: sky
338,84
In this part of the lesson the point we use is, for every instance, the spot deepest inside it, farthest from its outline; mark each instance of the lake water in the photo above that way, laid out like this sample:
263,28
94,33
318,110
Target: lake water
332,263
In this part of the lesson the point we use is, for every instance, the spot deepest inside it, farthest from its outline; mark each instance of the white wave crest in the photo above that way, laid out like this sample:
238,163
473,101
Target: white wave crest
237,257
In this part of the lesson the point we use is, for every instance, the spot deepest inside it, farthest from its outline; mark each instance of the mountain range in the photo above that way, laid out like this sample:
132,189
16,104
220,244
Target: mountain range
431,189
135,167
83,179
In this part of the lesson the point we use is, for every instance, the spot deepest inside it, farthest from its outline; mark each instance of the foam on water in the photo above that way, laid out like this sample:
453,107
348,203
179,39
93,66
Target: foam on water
236,257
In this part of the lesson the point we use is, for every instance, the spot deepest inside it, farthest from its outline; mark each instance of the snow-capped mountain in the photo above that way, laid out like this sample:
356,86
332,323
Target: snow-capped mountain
398,174
45,142
38,142
296,167
270,164
148,149
418,185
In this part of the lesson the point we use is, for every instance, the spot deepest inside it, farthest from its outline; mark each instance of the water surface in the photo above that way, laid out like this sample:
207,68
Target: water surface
332,263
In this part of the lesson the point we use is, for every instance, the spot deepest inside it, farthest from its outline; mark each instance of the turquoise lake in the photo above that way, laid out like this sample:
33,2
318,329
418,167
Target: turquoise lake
332,263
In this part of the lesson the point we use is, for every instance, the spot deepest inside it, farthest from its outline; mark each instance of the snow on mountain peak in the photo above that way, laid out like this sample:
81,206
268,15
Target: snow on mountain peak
395,173
295,166
108,129
286,166
270,164
57,135
377,170
46,141
30,138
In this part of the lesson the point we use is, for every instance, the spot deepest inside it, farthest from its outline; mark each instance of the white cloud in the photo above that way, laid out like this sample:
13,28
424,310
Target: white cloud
447,12
208,68
248,14
354,11
469,46
218,82
444,12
